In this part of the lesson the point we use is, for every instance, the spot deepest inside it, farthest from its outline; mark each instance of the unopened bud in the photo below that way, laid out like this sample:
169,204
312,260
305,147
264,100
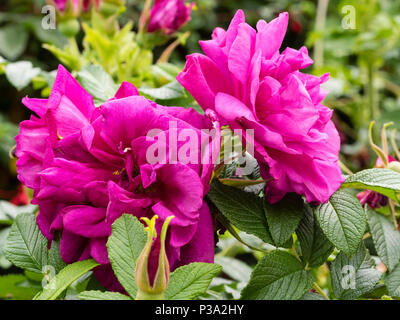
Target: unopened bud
146,291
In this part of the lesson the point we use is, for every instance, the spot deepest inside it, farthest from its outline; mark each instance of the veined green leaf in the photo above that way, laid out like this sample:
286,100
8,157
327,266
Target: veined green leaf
243,209
355,276
343,221
26,247
386,239
65,278
278,276
284,217
190,281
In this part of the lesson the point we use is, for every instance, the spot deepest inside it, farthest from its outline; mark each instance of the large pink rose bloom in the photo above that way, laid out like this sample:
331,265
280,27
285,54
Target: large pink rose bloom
88,166
251,85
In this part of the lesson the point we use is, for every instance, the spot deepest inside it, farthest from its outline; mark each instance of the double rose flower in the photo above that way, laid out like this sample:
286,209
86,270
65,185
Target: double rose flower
251,85
88,165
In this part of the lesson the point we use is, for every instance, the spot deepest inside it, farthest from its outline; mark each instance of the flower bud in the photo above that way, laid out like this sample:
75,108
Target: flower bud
155,291
169,15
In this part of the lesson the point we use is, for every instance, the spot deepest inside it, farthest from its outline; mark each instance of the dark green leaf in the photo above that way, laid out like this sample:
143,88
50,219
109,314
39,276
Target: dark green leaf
343,221
26,247
243,209
315,247
190,281
284,217
278,276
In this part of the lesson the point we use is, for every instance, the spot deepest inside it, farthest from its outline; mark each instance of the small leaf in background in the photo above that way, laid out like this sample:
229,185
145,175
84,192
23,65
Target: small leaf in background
355,276
100,295
65,278
315,247
20,73
384,181
13,41
190,281
11,288
386,239
284,217
172,90
343,221
97,82
392,282
125,244
26,247
278,276
243,209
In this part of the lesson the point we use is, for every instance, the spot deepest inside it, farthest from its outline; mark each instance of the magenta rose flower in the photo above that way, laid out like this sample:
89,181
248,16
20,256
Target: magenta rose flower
88,166
251,85
169,15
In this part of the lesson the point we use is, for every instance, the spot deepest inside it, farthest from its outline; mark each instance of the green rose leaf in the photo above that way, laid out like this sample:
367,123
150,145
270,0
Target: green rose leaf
343,221
355,276
97,82
392,282
278,276
386,239
190,281
315,247
65,278
243,209
284,217
26,247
